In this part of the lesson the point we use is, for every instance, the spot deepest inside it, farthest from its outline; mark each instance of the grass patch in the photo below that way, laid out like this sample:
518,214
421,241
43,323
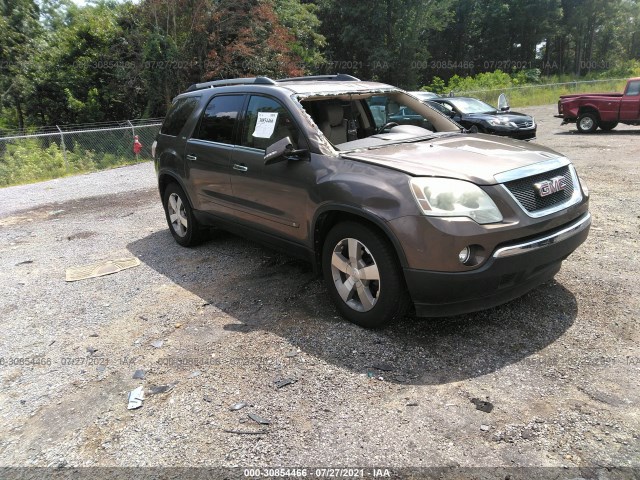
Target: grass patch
29,161
532,95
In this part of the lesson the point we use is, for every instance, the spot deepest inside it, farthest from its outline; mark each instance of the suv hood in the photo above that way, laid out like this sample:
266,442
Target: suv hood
476,158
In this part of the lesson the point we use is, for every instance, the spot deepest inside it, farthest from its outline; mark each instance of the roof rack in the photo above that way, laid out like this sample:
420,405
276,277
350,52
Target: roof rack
341,77
232,81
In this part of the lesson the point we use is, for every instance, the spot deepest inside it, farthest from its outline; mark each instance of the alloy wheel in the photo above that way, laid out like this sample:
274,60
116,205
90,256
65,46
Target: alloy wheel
355,274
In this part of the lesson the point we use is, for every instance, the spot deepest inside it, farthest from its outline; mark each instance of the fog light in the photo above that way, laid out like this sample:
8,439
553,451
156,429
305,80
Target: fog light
464,255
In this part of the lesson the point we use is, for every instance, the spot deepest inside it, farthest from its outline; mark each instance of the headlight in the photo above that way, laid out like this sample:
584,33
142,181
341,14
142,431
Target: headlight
498,121
445,197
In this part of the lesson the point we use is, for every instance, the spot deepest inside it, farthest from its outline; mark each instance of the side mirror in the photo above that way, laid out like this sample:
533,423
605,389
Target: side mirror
282,150
503,103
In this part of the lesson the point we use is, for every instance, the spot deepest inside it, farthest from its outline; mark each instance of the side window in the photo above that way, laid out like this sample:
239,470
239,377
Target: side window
634,89
447,107
266,122
219,119
178,115
378,107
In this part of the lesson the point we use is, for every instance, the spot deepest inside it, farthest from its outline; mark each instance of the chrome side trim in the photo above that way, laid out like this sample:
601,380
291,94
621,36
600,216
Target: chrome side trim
581,224
530,170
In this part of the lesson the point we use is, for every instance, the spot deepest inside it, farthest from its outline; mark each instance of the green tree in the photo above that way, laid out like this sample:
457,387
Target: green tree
302,22
20,33
382,39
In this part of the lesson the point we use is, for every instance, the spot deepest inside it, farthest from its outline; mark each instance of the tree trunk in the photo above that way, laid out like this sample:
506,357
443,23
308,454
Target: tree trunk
20,115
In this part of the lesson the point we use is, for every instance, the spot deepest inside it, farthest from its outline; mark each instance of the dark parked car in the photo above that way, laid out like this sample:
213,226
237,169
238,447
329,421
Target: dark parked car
391,214
470,112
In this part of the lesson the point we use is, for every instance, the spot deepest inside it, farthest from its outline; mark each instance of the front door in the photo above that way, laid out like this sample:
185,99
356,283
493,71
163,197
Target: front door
630,103
272,197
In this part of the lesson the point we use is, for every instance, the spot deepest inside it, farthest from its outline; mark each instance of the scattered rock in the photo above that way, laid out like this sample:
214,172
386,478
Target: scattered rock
195,374
139,375
237,406
258,419
526,434
157,343
485,428
383,367
161,388
246,432
283,382
482,405
91,350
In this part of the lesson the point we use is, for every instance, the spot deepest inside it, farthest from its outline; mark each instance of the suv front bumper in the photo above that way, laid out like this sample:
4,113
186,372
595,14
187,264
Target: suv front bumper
512,270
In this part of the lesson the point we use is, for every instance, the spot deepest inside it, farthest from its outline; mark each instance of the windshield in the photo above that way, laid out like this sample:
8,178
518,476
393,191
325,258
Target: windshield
471,105
367,120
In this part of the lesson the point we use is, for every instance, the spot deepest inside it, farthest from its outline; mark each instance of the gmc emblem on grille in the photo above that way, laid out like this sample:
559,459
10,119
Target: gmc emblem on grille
550,186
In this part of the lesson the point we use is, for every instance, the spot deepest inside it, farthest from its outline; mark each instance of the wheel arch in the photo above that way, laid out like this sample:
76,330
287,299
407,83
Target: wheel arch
589,109
165,178
329,216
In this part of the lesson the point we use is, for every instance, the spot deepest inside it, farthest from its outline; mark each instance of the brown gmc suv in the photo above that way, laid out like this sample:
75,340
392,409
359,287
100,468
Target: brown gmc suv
392,209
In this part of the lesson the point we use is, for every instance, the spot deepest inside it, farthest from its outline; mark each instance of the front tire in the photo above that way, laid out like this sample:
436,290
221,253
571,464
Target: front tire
363,276
587,123
182,223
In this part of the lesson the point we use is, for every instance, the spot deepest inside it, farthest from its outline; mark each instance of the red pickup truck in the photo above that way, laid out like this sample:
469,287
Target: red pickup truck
605,110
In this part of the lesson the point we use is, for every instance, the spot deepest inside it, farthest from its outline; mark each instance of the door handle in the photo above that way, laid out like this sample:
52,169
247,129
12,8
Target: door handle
192,158
240,167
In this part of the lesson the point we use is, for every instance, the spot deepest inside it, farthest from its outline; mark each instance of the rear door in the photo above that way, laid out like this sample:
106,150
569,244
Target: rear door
209,151
630,103
271,197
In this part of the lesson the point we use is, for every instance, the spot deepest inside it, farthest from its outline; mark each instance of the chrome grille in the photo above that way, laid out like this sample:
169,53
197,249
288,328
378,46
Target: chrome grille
524,123
524,191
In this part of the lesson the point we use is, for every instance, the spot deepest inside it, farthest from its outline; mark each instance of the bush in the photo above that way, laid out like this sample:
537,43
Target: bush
528,87
30,160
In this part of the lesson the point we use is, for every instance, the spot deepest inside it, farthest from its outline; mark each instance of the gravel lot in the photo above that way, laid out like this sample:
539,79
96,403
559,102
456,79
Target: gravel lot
560,365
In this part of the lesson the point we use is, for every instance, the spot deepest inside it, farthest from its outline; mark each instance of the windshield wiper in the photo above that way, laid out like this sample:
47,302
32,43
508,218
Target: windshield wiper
398,142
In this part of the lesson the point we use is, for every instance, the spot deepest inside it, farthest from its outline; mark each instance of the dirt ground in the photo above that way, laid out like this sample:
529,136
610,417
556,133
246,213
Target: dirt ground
222,323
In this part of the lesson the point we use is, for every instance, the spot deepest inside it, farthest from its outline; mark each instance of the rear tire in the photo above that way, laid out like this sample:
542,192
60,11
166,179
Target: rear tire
587,123
182,223
608,126
364,279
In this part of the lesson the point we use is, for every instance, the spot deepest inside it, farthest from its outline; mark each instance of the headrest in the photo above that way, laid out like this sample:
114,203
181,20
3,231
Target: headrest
335,113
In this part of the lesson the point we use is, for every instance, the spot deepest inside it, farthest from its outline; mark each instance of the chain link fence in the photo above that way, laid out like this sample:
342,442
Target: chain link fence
544,94
53,152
